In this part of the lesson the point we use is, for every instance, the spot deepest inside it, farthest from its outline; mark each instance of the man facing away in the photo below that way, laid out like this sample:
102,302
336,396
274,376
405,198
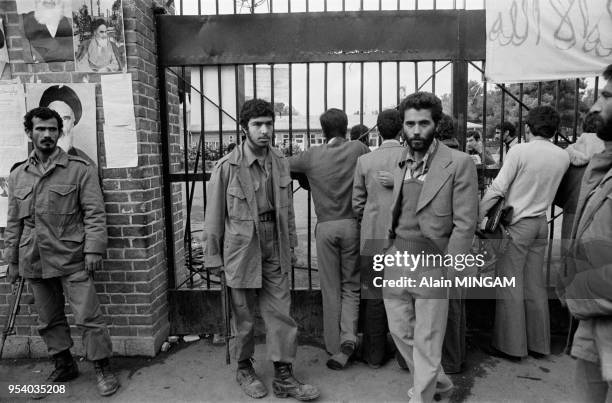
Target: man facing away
371,203
56,236
433,212
528,180
589,282
330,169
250,235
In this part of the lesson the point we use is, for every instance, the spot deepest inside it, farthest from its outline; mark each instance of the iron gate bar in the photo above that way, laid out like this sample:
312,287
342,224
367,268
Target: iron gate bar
510,94
358,36
361,93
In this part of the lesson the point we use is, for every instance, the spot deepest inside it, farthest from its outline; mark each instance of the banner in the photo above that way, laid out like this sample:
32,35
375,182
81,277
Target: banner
543,40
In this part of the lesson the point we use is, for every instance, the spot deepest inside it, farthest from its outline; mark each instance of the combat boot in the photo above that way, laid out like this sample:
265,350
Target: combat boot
285,384
107,383
65,368
249,381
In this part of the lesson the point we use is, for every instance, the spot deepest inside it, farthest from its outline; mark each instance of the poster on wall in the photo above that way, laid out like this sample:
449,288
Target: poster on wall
120,140
4,56
47,30
551,40
99,41
13,140
76,104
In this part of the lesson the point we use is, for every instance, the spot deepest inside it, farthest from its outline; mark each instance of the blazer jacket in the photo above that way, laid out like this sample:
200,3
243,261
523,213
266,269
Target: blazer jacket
447,209
371,200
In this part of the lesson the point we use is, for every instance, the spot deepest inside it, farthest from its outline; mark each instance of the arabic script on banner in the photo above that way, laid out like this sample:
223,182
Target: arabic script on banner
539,40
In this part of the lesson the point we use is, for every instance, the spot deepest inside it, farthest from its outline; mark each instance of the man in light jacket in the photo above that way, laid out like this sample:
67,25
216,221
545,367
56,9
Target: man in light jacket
434,212
250,234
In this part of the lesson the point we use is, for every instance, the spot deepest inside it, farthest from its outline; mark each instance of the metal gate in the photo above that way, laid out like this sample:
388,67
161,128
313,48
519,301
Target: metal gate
303,63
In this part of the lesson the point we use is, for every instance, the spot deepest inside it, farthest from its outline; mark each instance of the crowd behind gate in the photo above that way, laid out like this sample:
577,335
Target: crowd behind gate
418,194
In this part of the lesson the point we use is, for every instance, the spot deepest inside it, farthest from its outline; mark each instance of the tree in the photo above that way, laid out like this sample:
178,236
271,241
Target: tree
83,21
565,103
279,108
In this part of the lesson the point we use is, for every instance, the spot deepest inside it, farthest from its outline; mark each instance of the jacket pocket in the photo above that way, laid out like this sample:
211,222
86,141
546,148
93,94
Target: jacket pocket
72,244
62,199
237,206
441,208
24,200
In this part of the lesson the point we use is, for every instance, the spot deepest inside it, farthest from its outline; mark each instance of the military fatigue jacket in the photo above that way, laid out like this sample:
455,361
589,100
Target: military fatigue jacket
54,218
231,224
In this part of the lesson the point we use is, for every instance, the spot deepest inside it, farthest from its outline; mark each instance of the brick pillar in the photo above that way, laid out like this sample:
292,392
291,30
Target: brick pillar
133,285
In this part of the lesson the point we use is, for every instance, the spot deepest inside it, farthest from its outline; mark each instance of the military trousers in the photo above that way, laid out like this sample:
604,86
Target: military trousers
50,296
274,305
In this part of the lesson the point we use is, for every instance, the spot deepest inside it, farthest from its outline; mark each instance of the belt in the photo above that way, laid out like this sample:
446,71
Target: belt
267,217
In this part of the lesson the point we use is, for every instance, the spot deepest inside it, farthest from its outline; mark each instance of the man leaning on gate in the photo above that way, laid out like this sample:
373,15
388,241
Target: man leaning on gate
56,236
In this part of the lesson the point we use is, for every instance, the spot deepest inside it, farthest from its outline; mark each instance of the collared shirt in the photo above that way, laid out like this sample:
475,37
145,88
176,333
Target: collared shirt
391,141
528,179
43,167
418,169
261,174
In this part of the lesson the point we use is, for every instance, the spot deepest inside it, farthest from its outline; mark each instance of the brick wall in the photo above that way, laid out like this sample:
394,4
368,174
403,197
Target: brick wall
133,285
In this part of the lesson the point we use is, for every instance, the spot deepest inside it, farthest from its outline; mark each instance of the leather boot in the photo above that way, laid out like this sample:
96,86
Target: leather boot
107,383
65,368
249,381
285,384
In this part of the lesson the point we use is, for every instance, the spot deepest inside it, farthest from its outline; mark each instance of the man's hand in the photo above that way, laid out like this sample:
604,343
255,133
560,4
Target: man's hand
385,178
13,273
215,271
93,262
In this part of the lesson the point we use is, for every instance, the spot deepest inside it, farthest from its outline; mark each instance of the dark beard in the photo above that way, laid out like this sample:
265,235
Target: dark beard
425,143
604,128
604,131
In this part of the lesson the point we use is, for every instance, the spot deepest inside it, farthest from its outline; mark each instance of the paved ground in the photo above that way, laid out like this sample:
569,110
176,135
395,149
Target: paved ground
197,372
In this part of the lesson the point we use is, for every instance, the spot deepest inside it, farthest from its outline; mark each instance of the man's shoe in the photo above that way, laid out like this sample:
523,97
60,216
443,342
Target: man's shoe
492,351
285,384
107,383
340,360
65,368
440,390
536,355
401,361
250,382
